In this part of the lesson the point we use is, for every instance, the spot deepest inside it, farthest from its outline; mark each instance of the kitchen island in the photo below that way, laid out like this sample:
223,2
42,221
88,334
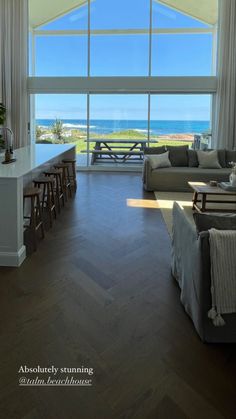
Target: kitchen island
30,162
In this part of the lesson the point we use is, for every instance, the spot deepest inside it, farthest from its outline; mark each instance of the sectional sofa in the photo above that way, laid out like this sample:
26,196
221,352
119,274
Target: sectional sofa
184,168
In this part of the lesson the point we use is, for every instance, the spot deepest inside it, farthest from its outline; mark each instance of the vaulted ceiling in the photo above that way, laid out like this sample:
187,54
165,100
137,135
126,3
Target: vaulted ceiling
44,11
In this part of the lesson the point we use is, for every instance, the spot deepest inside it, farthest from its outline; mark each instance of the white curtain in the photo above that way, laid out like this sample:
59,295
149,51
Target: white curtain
14,66
224,126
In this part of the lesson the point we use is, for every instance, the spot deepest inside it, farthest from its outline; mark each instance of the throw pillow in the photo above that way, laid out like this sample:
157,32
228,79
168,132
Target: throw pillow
178,155
222,157
208,160
230,156
155,150
206,221
158,161
192,158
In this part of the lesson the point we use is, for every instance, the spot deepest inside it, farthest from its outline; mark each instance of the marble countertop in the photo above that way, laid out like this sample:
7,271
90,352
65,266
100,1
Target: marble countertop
31,157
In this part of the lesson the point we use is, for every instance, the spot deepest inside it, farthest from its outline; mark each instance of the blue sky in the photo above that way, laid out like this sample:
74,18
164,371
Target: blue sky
124,55
118,107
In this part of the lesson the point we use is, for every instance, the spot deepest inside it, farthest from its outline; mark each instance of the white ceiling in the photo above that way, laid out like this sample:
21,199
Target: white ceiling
204,10
43,11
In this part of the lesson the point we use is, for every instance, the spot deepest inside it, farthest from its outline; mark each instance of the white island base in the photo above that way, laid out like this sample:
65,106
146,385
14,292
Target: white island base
31,162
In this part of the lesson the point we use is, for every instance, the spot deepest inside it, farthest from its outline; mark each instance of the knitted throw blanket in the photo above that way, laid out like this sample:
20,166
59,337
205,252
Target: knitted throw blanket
223,274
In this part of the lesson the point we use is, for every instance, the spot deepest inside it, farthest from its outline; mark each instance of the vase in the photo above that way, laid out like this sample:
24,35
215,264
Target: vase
232,179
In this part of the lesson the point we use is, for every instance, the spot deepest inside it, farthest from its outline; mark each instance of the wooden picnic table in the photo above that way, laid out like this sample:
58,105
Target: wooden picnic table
111,150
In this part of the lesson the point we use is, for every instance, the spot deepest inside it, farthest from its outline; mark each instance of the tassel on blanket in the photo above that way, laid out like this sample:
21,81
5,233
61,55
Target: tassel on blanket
212,313
216,318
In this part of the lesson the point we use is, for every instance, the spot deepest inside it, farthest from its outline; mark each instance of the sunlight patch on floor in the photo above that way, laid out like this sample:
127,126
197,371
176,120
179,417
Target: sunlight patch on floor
142,203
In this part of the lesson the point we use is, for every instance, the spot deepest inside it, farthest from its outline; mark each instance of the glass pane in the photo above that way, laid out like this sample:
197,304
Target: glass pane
120,14
182,55
119,55
121,47
61,55
118,122
62,119
175,119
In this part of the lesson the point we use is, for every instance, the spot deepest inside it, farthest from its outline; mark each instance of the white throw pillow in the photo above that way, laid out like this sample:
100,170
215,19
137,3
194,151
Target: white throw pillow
208,159
158,161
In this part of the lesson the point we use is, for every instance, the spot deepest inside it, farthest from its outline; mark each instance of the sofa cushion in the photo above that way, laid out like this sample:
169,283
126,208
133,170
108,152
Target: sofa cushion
177,178
158,161
230,156
178,155
192,158
208,159
206,221
222,157
154,150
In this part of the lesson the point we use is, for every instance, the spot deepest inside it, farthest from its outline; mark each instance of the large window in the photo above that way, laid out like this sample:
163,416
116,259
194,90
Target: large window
123,38
128,70
120,119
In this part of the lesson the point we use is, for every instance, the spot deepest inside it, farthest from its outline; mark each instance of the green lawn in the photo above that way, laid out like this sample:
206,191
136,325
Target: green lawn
78,137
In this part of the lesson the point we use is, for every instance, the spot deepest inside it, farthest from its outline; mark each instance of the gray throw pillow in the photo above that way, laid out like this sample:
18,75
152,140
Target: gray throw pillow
155,150
178,155
221,221
158,161
222,157
208,159
192,158
230,156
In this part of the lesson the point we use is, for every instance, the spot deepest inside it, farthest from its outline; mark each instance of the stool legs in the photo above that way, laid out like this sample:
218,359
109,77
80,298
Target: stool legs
40,216
59,193
33,220
72,175
36,219
67,180
48,200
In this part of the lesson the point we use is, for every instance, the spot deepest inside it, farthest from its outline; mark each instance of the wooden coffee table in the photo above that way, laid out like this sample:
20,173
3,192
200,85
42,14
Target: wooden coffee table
205,190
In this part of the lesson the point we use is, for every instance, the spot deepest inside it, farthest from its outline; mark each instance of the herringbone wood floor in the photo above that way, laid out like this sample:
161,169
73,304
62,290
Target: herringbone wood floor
98,292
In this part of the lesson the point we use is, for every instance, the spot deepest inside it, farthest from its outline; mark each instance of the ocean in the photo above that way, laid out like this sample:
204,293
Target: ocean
106,126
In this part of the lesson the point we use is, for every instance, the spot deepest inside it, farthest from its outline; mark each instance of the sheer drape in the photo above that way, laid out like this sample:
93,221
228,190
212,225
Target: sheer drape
224,126
13,62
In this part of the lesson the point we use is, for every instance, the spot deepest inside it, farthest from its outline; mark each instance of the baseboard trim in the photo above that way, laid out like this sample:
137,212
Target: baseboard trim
14,259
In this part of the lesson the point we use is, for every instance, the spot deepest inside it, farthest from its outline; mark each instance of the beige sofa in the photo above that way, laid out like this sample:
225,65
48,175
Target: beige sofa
191,267
184,169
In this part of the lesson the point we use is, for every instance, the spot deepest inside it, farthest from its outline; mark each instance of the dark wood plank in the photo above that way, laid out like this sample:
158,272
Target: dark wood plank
99,292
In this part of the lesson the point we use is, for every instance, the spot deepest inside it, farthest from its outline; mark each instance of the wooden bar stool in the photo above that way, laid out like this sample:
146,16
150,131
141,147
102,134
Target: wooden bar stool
59,194
65,178
48,198
35,218
72,163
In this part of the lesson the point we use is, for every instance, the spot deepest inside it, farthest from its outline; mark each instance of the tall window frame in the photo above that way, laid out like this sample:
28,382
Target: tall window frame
147,84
